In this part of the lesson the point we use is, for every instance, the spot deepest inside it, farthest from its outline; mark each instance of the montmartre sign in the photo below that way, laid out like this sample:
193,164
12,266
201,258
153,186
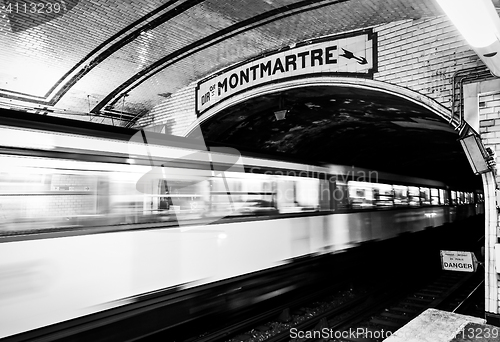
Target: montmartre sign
352,54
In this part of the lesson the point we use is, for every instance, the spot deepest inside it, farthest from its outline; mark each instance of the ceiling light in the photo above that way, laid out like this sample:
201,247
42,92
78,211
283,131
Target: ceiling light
476,20
280,114
165,95
479,24
476,154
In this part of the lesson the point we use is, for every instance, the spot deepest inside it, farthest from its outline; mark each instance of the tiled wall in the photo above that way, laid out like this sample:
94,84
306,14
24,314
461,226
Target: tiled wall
422,55
482,103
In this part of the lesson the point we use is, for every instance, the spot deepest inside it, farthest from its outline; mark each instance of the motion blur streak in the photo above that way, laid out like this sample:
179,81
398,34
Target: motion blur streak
89,223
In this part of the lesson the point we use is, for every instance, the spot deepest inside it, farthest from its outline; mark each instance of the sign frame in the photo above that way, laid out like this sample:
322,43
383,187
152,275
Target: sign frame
453,261
335,59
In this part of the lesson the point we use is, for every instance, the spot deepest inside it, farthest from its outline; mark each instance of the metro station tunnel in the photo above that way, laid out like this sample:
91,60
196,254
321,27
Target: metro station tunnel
262,170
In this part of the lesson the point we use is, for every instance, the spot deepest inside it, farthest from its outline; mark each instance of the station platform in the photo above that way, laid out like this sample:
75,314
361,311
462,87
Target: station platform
442,326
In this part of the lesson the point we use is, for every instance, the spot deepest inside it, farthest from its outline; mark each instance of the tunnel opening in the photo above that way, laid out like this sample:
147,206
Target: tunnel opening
352,126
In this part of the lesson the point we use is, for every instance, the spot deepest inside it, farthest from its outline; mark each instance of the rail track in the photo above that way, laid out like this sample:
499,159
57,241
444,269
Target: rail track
371,314
366,305
448,292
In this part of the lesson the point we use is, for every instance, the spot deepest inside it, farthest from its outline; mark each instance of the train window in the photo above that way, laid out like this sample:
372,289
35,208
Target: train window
454,198
461,197
307,193
400,195
286,189
243,194
413,196
70,194
341,195
383,195
324,195
360,192
443,197
367,195
425,196
39,194
64,193
67,194
180,197
469,198
435,196
480,197
360,195
299,194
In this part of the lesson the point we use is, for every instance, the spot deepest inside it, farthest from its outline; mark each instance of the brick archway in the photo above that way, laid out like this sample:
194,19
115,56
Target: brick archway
408,94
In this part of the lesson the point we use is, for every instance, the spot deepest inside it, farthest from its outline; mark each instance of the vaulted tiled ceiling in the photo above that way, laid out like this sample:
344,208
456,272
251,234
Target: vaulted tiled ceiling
121,58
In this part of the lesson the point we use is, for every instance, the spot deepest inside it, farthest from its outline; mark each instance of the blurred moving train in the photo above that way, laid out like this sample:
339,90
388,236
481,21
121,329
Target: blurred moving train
100,226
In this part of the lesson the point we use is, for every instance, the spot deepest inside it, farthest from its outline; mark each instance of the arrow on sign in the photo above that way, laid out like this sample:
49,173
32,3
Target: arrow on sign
349,55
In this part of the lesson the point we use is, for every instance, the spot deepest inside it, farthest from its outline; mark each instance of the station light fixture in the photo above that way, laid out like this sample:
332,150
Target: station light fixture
280,114
476,154
479,24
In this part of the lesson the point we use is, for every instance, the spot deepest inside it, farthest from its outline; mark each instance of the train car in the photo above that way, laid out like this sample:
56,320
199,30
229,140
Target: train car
95,224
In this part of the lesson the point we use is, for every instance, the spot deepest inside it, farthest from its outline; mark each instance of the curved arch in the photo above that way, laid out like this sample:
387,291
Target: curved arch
408,94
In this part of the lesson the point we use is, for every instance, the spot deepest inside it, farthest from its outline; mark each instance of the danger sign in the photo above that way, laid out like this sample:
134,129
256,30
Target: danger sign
458,261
